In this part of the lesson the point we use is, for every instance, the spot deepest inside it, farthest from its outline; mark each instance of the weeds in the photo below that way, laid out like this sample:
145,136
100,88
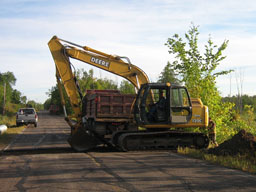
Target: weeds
7,136
245,163
8,121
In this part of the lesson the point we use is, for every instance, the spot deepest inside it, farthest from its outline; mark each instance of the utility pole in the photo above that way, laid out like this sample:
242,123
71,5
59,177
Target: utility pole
4,98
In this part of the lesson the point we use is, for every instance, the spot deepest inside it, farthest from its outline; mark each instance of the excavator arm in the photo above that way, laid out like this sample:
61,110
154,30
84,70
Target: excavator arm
63,50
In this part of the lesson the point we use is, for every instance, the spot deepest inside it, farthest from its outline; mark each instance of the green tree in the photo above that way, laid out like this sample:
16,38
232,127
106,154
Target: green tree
85,80
106,84
54,99
23,99
88,81
127,87
16,96
198,72
8,79
47,104
34,104
168,75
31,103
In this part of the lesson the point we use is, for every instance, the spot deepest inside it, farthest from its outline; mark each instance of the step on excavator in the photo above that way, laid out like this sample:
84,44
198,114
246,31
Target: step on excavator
156,117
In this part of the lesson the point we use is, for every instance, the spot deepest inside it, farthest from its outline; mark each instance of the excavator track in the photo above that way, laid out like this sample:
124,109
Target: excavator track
161,140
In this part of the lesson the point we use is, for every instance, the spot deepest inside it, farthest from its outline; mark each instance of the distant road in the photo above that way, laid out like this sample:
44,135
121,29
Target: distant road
40,159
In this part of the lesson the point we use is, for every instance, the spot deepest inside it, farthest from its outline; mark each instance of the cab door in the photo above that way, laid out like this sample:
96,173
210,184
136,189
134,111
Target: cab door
152,105
180,105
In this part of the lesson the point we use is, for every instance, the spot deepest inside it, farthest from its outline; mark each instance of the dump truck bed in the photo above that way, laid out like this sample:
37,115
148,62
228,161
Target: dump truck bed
104,105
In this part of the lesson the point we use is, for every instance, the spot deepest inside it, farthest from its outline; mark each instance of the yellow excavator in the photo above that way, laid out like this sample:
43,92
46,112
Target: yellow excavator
156,117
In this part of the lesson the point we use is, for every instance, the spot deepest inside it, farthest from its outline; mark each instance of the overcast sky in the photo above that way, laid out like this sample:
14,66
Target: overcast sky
137,29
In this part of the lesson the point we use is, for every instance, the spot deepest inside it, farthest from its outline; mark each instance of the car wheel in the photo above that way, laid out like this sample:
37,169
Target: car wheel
35,125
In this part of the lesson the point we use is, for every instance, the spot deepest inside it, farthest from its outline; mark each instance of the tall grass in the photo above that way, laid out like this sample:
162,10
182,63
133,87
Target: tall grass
245,163
7,136
9,117
8,121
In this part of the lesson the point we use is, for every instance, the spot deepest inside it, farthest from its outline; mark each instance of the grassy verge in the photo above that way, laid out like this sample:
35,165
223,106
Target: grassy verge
8,121
11,132
245,163
7,136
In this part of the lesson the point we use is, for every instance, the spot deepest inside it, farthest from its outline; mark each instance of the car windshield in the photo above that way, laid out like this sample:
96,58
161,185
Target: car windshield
27,111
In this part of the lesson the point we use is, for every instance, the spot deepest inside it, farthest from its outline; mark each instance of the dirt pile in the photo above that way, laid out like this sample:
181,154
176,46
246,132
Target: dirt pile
242,143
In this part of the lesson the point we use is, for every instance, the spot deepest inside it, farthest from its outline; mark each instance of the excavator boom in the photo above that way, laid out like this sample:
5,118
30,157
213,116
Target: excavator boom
111,63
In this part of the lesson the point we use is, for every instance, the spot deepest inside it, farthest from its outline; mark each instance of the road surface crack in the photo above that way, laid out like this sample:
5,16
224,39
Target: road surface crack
24,173
120,181
185,183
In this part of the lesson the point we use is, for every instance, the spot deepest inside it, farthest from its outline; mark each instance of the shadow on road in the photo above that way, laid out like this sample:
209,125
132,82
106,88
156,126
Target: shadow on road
17,152
53,150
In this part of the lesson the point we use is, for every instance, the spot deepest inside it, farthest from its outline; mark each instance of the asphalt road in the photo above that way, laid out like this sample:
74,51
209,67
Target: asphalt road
40,159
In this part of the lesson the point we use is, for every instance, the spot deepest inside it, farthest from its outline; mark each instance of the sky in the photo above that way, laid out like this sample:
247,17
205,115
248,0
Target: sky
136,29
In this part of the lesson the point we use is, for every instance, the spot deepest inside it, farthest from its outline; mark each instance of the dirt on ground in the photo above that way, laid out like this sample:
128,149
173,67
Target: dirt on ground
243,143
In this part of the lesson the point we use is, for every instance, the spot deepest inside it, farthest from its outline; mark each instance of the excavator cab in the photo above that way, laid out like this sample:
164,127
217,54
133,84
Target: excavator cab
160,103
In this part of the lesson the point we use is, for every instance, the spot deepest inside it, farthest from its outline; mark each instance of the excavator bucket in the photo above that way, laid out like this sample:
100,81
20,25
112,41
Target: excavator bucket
82,141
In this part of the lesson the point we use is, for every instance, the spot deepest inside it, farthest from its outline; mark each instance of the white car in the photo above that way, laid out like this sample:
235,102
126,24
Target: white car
26,116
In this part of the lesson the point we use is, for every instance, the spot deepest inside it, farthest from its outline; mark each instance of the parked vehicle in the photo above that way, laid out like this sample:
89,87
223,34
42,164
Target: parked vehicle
54,109
26,116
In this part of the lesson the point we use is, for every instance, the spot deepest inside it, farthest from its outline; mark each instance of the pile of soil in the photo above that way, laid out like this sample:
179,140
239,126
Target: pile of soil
242,143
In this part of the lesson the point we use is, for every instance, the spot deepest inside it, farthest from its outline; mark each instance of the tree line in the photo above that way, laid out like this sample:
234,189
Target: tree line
246,101
11,99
